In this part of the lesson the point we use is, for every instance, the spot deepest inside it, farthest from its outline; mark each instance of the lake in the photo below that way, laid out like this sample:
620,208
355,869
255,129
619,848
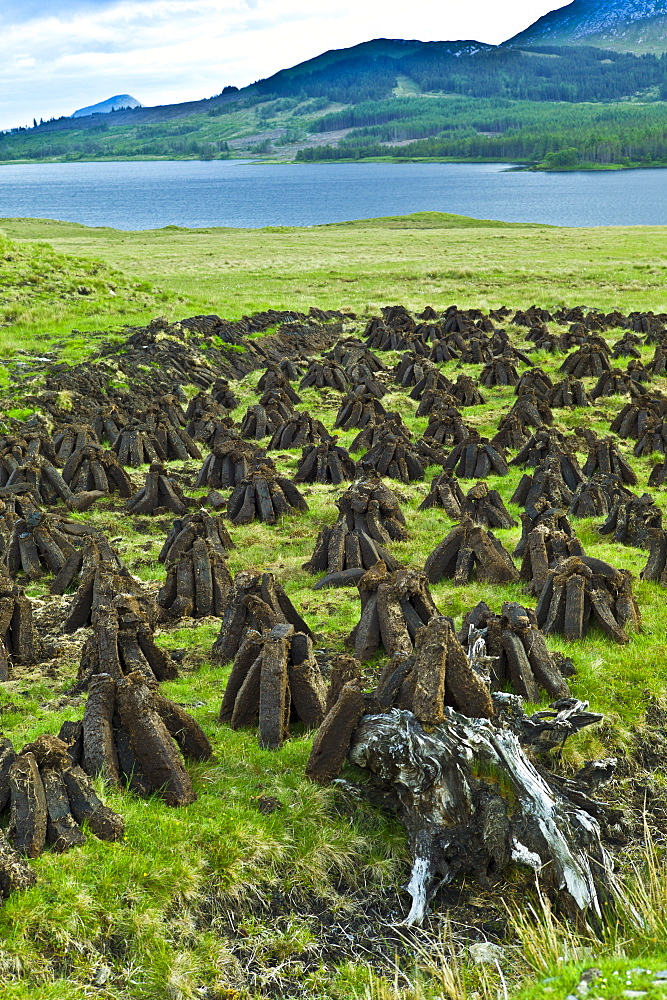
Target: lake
194,193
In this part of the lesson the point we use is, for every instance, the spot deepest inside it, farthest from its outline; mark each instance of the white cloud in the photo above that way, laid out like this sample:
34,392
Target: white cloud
175,50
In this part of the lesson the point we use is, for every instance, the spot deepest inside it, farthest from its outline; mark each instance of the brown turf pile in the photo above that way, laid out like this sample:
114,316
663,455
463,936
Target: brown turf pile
357,409
228,464
476,458
325,463
469,552
161,493
264,496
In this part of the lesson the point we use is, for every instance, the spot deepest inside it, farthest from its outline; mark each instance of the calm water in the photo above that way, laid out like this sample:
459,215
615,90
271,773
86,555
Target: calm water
236,193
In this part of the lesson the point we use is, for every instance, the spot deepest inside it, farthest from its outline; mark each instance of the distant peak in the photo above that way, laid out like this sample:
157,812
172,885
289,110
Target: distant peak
117,103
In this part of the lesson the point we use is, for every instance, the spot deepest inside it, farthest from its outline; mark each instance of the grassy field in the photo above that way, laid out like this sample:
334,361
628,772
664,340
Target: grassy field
218,901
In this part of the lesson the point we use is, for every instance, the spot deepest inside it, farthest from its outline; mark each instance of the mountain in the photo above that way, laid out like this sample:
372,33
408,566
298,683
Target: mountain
120,101
638,26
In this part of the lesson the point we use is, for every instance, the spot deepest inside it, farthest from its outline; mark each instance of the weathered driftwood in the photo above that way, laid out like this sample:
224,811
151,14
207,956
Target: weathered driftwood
445,492
523,817
325,375
394,606
581,589
258,602
228,464
632,521
298,430
515,651
264,496
275,679
185,531
476,458
468,551
161,493
325,463
590,360
598,495
394,457
131,735
535,380
93,468
357,409
605,456
569,392
198,581
617,383
370,518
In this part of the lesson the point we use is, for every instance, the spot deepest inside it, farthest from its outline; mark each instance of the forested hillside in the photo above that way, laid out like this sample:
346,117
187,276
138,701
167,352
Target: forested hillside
551,107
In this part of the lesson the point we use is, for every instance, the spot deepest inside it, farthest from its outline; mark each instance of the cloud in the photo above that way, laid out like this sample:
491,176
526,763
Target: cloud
57,57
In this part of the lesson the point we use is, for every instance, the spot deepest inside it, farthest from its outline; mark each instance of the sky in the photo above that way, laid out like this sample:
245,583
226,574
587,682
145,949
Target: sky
60,55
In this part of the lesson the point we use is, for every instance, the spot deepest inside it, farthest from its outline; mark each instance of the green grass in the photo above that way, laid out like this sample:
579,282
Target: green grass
219,900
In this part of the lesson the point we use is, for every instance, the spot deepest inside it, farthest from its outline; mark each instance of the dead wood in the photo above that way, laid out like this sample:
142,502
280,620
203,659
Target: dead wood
480,831
470,551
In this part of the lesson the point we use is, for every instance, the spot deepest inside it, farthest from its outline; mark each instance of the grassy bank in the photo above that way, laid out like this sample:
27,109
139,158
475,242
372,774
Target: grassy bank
219,901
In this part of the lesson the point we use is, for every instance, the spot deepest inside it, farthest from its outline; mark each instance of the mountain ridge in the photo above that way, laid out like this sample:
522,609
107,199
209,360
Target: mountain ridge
119,102
638,26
